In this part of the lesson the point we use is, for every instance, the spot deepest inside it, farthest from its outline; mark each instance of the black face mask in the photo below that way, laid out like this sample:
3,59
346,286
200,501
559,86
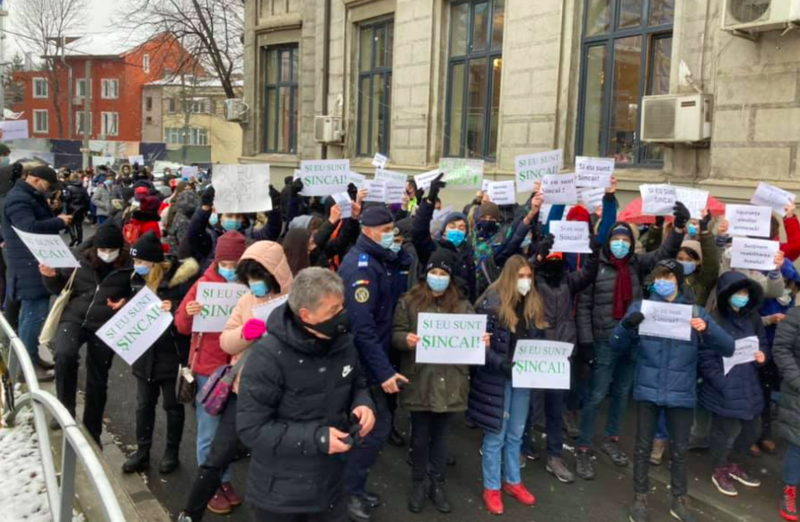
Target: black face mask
337,325
553,271
487,229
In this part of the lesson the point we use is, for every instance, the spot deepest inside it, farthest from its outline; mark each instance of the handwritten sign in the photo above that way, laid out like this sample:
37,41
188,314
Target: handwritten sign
11,130
380,161
397,178
394,193
560,189
356,179
48,249
542,365
667,320
188,173
776,198
594,172
425,179
658,200
324,177
345,204
745,353
136,159
747,220
241,189
695,200
264,311
501,192
754,254
134,329
461,173
451,339
533,167
571,237
376,191
592,198
218,300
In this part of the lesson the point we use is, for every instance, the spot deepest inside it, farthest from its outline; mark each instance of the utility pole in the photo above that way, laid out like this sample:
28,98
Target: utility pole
3,16
87,113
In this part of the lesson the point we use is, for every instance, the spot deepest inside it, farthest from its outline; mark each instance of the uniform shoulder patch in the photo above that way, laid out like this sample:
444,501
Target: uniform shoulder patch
362,295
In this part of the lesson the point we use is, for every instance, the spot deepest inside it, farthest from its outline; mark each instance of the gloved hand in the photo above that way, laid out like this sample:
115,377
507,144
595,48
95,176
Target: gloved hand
352,191
420,194
507,367
253,329
297,186
659,221
436,185
705,222
207,199
275,196
681,214
633,321
545,245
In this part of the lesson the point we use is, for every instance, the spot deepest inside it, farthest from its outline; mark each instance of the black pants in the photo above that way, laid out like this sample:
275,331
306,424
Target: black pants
429,434
99,357
337,513
146,402
770,382
731,438
362,457
220,456
679,424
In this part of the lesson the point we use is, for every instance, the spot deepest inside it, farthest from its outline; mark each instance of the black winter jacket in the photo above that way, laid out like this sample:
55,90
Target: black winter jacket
786,352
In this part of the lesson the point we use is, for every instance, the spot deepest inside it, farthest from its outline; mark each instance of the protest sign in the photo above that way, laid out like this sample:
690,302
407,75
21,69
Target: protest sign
441,214
376,191
559,189
501,192
747,220
99,161
594,172
695,200
48,249
135,327
754,254
160,166
241,188
380,160
324,177
776,198
592,198
355,178
394,193
533,167
542,365
658,200
571,237
424,180
264,311
544,213
461,173
218,300
396,178
13,130
345,204
136,159
451,339
745,353
667,320
188,173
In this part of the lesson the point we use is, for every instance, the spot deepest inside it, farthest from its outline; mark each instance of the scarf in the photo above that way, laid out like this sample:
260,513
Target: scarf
623,287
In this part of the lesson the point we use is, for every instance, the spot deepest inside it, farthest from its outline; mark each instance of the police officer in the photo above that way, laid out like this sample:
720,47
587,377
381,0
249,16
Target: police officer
369,271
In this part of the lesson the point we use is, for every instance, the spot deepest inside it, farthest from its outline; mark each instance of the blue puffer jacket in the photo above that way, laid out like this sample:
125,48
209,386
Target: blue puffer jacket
666,369
737,395
487,389
26,209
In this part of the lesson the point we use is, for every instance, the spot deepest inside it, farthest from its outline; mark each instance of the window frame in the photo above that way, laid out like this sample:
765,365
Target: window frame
46,129
146,63
148,103
103,126
172,132
172,105
385,72
84,82
293,85
41,81
105,84
79,116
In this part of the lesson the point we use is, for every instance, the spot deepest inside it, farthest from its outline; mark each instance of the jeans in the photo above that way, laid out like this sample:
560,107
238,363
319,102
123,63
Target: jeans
364,454
429,434
101,219
33,314
661,429
679,424
206,429
502,450
731,438
337,513
146,402
613,369
791,466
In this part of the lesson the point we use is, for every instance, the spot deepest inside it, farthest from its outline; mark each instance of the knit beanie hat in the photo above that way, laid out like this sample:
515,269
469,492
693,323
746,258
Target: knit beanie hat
149,204
441,258
108,236
489,209
674,267
578,213
148,248
230,247
621,230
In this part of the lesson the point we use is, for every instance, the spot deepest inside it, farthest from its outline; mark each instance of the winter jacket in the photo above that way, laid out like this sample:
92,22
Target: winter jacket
666,369
294,388
76,198
26,209
700,283
186,204
102,200
439,388
333,241
786,352
738,394
780,305
145,222
771,282
791,248
271,257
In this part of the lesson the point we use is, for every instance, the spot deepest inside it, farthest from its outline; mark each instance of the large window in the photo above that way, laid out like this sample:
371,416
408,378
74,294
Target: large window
175,135
110,123
40,88
80,88
627,54
280,99
474,72
109,89
41,121
374,88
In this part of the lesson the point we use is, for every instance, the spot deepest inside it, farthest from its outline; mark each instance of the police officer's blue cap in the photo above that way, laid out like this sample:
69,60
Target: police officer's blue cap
376,216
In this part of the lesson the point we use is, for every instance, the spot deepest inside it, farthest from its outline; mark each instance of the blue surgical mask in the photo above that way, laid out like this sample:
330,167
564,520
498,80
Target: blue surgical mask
231,224
664,288
456,236
620,248
692,229
213,220
387,240
688,267
258,288
229,274
438,283
739,301
142,270
5,161
396,247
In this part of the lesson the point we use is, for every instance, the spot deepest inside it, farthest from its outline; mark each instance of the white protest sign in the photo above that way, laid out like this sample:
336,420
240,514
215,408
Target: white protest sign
533,167
501,192
745,353
160,166
99,161
424,180
345,204
461,173
376,191
355,178
134,329
667,320
451,339
218,300
695,200
192,172
13,130
48,249
394,193
397,178
380,160
560,189
542,365
754,254
776,198
136,159
441,214
747,220
324,177
658,200
594,172
544,213
241,188
571,237
264,311
592,198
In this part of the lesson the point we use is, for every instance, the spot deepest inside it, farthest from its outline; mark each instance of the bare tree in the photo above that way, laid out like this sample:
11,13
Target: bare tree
45,26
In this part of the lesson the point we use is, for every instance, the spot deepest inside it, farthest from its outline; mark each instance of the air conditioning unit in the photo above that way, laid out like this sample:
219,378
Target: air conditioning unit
328,129
676,118
236,110
754,16
77,100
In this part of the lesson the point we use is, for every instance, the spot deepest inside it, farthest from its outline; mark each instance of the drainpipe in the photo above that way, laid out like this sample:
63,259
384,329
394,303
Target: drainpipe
326,56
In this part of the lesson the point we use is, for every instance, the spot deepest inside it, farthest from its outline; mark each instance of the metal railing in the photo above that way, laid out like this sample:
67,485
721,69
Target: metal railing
74,444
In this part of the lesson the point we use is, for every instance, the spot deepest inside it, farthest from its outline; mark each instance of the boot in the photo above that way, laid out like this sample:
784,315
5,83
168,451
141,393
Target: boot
638,510
657,453
169,462
438,496
358,510
416,500
789,503
680,510
139,461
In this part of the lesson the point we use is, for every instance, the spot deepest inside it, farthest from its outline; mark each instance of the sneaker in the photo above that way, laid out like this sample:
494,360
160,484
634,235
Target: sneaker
789,503
183,517
219,505
741,476
520,493
570,421
230,494
358,510
557,468
493,501
680,510
43,375
530,453
657,454
611,448
638,510
373,500
585,468
722,480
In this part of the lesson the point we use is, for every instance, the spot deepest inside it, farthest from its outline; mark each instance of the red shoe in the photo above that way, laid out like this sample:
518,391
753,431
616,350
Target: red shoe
493,501
520,492
219,504
789,503
230,494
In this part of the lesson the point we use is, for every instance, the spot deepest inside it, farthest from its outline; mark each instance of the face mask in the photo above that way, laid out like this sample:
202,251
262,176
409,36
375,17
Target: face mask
231,224
142,270
739,301
213,219
387,240
664,288
620,248
5,161
438,283
229,274
786,298
396,247
456,236
337,325
258,288
692,229
108,183
108,257
487,229
524,286
526,242
688,267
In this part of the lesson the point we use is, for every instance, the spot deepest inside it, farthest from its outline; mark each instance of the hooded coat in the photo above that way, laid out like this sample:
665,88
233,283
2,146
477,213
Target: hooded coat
185,205
786,351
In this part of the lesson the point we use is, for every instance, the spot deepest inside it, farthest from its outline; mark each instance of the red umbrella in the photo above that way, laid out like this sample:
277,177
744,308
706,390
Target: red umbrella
633,212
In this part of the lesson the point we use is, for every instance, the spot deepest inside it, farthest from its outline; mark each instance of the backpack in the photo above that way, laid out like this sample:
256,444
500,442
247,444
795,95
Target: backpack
131,232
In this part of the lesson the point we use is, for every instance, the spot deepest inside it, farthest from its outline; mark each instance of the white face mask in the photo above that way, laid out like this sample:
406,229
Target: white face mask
108,257
524,286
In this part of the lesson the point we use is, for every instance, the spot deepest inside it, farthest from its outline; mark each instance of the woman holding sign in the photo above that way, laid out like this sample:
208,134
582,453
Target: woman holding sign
515,312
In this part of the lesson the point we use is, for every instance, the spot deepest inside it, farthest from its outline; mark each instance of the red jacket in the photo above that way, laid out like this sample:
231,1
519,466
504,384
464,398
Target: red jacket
205,355
791,248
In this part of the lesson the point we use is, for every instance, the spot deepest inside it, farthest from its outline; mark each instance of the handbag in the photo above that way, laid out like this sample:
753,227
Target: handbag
186,384
50,328
214,395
